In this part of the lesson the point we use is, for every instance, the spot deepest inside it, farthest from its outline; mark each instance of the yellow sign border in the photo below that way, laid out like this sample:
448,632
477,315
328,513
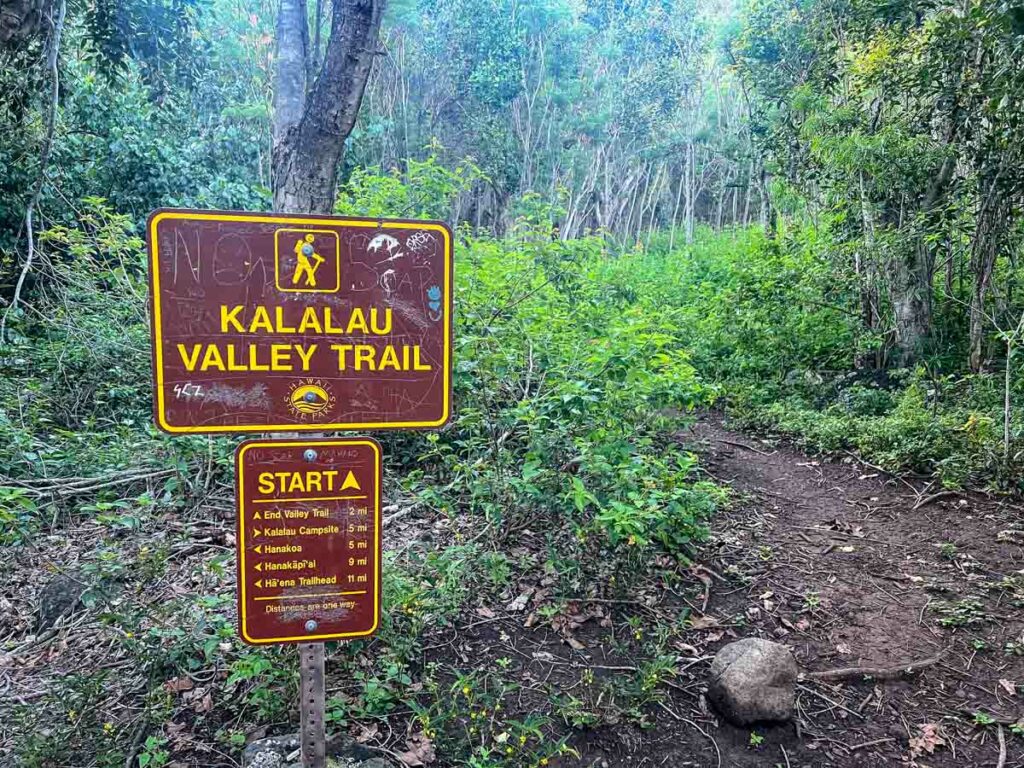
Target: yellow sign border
337,260
377,571
284,221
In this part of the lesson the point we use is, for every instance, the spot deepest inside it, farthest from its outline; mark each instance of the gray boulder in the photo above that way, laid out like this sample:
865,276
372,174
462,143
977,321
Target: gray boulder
753,680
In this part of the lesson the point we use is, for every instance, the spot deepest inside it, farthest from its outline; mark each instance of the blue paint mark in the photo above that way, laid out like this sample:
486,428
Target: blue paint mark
434,302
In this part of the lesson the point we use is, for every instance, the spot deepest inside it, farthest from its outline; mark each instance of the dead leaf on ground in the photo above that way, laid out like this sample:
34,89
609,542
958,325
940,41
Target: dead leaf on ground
520,602
367,733
204,704
1009,686
703,622
574,643
485,612
420,751
179,684
929,737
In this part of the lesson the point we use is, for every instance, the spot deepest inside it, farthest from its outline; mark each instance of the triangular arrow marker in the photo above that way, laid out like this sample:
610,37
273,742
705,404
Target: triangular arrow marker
257,516
259,566
256,532
260,583
259,549
350,482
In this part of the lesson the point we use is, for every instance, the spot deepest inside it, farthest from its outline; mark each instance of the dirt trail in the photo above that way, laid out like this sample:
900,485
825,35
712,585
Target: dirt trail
846,566
838,561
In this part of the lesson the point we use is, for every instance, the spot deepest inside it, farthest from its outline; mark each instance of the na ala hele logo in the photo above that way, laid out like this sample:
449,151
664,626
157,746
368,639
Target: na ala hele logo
310,399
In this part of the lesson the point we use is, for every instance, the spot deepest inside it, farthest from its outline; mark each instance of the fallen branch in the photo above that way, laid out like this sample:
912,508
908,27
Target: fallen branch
934,497
879,673
748,447
70,486
874,743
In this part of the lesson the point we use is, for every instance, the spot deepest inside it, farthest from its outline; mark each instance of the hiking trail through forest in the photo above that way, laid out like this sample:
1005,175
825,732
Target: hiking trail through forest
851,567
846,565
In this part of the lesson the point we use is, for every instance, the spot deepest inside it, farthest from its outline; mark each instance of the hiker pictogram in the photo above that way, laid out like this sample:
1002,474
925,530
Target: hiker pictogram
308,261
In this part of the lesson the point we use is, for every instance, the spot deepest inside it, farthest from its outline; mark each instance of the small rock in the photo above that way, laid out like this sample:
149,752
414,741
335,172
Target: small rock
752,680
274,751
271,752
60,596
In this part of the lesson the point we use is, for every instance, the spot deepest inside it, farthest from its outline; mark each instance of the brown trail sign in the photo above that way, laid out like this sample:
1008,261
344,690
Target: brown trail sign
265,323
291,323
308,539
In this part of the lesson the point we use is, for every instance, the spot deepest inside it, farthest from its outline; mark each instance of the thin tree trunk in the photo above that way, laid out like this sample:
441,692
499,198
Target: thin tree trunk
52,64
310,131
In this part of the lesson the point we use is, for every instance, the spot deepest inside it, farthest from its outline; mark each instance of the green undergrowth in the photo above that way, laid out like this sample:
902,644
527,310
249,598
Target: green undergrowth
774,326
571,378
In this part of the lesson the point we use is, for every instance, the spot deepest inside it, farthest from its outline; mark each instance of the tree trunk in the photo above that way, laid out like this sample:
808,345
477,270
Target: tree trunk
310,128
992,215
910,292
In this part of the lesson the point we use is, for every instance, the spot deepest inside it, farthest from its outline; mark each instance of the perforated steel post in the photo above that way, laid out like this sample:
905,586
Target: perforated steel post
312,675
311,705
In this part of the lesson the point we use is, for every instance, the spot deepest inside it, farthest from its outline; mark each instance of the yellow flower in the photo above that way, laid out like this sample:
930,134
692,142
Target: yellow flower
465,690
72,715
108,727
543,761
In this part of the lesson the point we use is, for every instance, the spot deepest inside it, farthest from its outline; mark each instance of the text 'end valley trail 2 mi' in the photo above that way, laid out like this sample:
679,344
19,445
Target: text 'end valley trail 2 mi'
266,323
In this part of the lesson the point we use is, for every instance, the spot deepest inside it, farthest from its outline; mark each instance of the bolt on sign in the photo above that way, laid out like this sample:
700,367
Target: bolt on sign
266,323
308,538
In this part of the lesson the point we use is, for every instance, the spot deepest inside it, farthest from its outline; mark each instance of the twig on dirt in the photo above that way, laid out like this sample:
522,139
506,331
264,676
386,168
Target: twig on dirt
1002,747
879,673
744,445
874,743
785,756
707,736
136,742
934,497
398,515
825,698
69,486
385,750
882,469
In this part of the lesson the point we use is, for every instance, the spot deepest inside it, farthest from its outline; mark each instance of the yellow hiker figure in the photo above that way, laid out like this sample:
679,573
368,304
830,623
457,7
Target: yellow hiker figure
309,262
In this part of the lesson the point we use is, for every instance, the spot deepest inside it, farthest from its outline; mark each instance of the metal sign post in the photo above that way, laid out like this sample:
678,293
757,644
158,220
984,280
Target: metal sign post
312,734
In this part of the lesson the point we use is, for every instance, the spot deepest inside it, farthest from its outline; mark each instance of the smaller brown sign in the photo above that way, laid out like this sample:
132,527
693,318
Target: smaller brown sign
309,546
